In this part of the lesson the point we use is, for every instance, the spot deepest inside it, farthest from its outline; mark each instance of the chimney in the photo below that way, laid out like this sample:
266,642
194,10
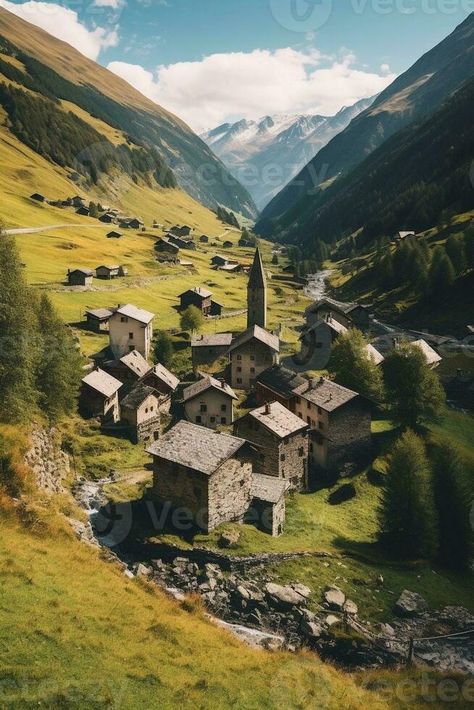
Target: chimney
223,384
267,408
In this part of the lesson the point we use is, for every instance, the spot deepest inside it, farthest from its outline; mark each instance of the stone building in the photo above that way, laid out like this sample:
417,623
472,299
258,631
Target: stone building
257,294
141,413
129,369
209,349
164,383
347,314
98,319
339,420
111,271
268,507
251,353
281,442
131,328
80,277
209,402
201,298
277,384
206,474
99,397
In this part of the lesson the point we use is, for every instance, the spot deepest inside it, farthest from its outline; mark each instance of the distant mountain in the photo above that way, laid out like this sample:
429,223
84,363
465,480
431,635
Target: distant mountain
265,155
413,96
75,112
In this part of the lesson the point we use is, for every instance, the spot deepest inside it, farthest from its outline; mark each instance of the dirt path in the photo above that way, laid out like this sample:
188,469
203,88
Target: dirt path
35,230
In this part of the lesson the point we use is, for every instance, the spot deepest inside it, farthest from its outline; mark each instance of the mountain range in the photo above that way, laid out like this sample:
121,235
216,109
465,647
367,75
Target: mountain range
80,116
309,208
264,155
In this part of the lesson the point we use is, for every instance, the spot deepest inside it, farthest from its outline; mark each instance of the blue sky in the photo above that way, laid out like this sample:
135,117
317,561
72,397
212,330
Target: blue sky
216,60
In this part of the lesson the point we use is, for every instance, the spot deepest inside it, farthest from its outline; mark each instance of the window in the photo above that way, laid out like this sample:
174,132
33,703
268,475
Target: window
321,425
151,409
123,319
239,369
146,410
301,451
252,369
223,420
239,380
223,407
130,336
198,419
213,420
252,357
239,357
320,411
203,408
282,457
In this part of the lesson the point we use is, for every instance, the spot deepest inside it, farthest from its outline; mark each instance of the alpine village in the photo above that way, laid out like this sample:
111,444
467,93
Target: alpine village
236,432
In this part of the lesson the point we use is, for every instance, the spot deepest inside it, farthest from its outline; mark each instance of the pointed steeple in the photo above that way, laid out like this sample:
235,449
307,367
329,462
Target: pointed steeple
257,294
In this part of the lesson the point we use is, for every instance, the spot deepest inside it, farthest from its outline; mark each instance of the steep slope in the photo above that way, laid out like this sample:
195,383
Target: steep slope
82,92
281,143
412,96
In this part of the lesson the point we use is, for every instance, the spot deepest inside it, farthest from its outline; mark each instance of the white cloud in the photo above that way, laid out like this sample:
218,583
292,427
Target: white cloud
113,4
63,23
228,86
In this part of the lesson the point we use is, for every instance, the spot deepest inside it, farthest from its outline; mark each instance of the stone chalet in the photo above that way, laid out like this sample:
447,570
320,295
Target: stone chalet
208,349
99,397
339,420
320,337
209,402
129,369
206,474
141,413
251,353
268,509
348,314
164,383
201,298
108,272
281,440
164,246
98,319
114,234
80,277
130,328
431,356
277,384
219,260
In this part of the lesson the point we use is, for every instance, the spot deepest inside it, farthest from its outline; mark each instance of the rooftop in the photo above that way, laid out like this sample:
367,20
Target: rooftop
259,334
268,489
257,277
430,354
374,354
281,380
202,292
135,313
80,270
165,376
99,313
196,447
206,384
278,419
326,394
137,396
212,340
331,303
102,382
136,362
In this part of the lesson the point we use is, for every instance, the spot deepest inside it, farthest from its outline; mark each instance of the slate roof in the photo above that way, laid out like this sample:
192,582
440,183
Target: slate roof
278,419
204,293
165,376
257,273
280,380
137,396
102,382
331,303
86,272
326,394
136,313
374,354
260,334
213,340
99,313
136,363
268,489
332,323
430,354
196,447
109,267
207,383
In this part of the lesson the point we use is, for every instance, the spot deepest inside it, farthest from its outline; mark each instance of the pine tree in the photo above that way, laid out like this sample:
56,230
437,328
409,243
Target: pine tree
352,367
413,391
164,349
18,337
456,252
407,518
93,210
453,503
59,365
442,273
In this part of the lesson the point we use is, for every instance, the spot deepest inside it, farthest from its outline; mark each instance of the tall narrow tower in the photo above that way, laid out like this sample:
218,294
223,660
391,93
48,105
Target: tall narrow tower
257,294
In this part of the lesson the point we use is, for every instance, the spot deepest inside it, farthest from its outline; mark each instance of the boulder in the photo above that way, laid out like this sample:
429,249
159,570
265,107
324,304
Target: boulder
350,607
143,571
457,616
302,589
334,597
229,539
312,629
332,620
410,604
284,596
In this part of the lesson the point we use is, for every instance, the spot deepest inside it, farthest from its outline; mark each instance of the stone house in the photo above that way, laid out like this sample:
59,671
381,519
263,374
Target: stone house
431,356
141,414
97,319
228,244
99,397
219,260
204,239
251,353
108,272
208,349
268,507
129,369
164,246
277,384
347,314
131,328
206,474
80,277
164,384
209,402
339,420
201,298
83,211
37,197
183,231
108,218
281,442
136,223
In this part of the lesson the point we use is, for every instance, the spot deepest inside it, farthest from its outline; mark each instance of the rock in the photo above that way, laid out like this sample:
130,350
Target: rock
410,604
380,580
181,562
334,597
284,596
158,565
307,615
302,589
229,539
387,630
312,629
350,607
457,616
243,592
128,573
332,620
143,571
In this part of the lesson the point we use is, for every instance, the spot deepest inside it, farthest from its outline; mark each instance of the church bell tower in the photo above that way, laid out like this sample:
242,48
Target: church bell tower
257,294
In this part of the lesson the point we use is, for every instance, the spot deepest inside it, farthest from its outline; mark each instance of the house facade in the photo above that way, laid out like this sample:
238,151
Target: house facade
98,320
209,402
277,384
164,384
140,412
99,397
281,442
208,349
201,298
130,328
207,474
250,354
108,272
80,277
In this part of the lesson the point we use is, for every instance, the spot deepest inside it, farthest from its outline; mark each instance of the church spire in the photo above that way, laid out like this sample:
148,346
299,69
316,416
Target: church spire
257,294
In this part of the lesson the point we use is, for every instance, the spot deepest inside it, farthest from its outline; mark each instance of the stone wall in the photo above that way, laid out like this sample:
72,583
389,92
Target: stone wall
229,492
219,409
350,434
269,517
49,463
248,362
